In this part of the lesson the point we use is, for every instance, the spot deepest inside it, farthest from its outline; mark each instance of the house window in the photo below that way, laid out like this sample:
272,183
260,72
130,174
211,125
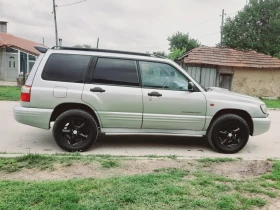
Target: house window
31,62
23,62
11,50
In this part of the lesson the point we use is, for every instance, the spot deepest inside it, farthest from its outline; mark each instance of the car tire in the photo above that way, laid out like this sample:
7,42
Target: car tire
75,130
229,133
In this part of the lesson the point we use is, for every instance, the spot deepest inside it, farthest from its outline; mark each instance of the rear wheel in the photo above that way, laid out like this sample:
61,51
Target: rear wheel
228,133
75,130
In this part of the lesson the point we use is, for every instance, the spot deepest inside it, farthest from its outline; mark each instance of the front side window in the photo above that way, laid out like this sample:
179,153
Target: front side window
163,76
66,68
116,72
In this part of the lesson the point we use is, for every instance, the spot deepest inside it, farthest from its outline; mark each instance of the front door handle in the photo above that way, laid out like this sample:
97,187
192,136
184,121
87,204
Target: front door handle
156,94
97,90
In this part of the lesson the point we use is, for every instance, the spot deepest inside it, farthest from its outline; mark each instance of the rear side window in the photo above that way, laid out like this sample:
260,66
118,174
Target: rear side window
116,72
66,68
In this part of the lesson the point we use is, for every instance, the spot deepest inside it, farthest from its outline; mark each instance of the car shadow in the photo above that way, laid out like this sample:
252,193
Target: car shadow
170,142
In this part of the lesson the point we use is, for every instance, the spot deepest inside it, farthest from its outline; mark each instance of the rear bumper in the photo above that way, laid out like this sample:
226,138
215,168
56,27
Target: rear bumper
261,125
39,118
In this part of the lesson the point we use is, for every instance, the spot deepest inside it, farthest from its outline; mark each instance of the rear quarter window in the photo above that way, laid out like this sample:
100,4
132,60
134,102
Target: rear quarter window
66,68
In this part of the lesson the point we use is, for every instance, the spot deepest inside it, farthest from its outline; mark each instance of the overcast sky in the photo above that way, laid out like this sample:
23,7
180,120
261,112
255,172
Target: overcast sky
135,25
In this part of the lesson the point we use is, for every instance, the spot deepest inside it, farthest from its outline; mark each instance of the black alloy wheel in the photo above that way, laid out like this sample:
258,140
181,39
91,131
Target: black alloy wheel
75,130
228,133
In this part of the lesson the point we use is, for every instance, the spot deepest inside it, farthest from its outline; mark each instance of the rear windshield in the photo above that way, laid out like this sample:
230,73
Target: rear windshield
66,68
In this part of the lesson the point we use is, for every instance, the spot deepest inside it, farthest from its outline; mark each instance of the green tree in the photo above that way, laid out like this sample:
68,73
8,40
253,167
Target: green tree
256,27
176,53
182,41
160,53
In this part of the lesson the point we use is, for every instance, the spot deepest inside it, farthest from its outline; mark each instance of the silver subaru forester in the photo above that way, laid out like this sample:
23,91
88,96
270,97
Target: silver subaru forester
91,91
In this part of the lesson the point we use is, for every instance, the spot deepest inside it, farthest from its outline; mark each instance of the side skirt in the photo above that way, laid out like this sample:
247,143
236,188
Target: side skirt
151,132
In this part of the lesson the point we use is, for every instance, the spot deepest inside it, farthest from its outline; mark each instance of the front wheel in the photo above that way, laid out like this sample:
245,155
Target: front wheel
228,134
75,130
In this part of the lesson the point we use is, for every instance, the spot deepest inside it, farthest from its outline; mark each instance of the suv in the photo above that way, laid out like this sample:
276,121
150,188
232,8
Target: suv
91,91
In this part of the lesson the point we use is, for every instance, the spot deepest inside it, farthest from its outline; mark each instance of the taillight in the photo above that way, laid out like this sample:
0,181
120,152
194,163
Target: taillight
25,93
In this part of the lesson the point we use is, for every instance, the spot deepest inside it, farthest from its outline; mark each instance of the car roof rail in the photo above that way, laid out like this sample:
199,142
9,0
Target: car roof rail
41,49
100,50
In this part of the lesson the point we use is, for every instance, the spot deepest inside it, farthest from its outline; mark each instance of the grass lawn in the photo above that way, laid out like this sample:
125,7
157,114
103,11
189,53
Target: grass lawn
9,93
272,103
173,188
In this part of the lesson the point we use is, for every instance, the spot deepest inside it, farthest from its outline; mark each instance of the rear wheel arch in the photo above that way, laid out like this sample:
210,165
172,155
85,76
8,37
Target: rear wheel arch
59,109
241,113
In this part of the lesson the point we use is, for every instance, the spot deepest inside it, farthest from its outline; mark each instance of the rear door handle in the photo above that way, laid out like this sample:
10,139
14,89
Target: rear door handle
156,94
97,90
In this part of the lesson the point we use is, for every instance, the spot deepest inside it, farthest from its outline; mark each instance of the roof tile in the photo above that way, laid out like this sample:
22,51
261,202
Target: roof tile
230,57
10,40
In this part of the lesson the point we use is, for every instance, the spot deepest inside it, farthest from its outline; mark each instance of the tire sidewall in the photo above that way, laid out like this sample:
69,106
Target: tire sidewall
228,119
60,124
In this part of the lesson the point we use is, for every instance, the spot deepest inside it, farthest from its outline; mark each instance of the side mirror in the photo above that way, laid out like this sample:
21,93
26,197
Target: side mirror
191,86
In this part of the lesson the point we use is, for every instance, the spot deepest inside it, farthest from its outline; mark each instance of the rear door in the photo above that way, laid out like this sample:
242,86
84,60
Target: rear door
114,91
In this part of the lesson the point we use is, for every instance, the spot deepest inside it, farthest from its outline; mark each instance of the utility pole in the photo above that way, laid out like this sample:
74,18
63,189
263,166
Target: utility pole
55,23
43,41
222,27
97,43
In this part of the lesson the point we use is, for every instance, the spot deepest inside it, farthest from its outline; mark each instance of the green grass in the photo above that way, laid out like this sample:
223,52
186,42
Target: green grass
43,162
272,103
163,189
9,93
110,164
217,160
27,161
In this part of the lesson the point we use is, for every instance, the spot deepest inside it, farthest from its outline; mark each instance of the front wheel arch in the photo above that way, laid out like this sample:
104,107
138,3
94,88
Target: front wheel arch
241,113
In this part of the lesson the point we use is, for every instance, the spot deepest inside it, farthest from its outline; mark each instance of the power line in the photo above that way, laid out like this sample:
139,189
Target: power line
45,22
209,34
204,22
64,5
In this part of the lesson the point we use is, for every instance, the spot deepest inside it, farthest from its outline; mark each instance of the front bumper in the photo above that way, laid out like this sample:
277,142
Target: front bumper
39,118
261,125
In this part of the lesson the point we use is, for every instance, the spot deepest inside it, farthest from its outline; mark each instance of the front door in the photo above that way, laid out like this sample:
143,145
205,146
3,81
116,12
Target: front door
168,104
225,81
114,92
11,73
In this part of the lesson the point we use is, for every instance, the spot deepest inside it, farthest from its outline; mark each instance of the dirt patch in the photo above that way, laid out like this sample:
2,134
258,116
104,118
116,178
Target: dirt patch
94,170
236,170
273,204
242,169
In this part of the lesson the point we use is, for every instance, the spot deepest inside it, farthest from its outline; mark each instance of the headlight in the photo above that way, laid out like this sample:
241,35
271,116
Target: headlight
264,109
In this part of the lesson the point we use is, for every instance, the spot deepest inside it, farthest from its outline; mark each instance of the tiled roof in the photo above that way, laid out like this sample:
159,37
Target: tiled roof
10,40
229,57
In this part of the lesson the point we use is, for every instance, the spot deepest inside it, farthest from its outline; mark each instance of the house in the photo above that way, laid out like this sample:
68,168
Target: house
246,72
16,55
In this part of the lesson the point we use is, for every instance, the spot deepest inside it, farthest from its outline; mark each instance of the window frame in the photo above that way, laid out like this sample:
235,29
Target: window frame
93,68
166,63
85,72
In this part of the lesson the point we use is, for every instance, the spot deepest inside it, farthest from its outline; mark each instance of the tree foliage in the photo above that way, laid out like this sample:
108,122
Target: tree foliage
181,43
176,53
160,53
256,27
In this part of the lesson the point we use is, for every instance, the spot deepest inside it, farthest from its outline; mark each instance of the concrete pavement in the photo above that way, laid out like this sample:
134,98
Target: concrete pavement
18,138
